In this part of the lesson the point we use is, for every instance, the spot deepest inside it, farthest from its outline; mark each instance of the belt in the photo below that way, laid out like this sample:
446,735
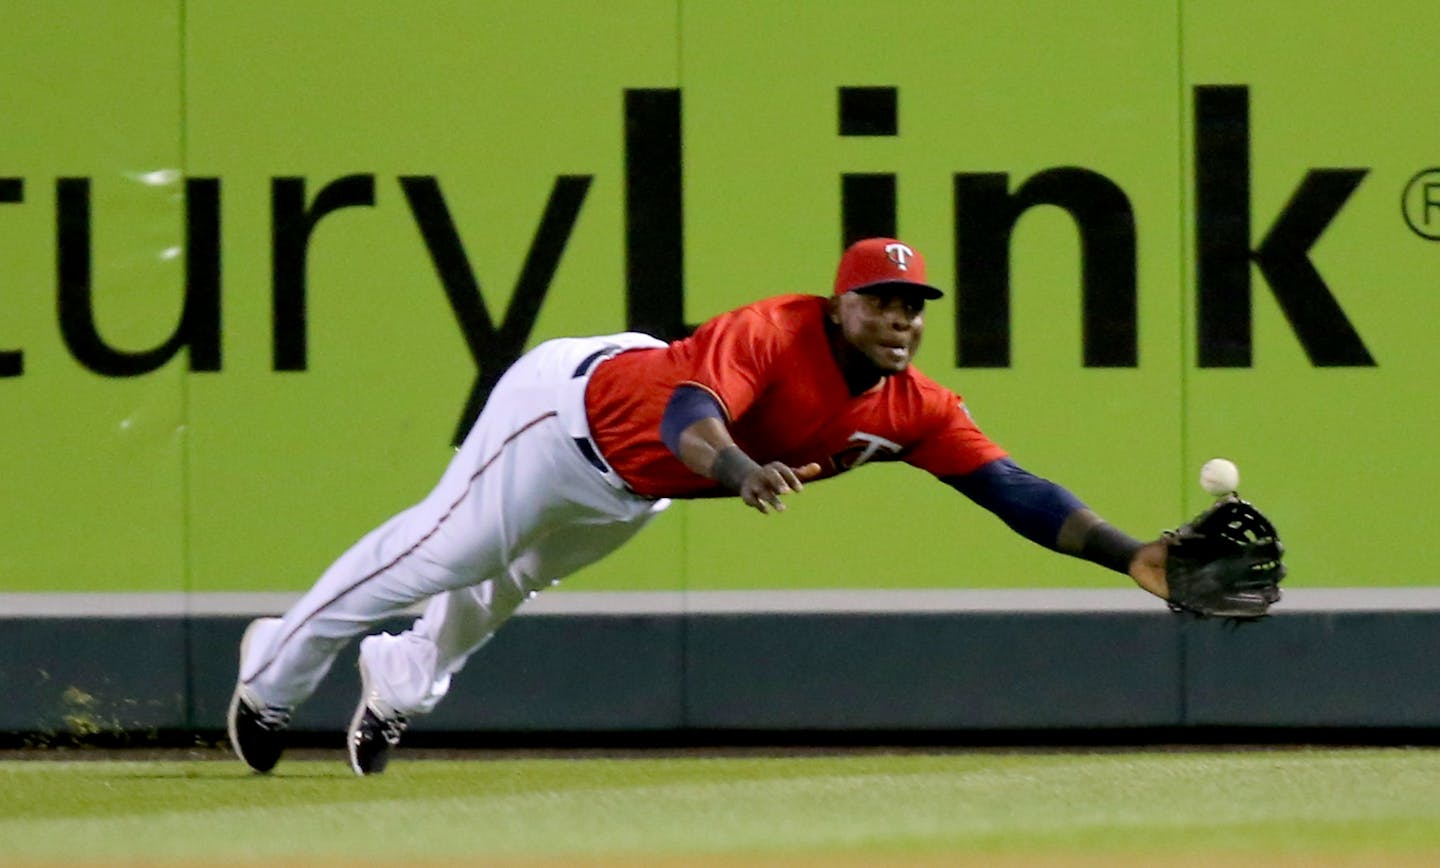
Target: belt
587,446
590,361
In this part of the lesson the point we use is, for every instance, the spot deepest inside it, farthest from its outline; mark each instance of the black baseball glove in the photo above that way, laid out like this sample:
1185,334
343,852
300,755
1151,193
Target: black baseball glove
1225,563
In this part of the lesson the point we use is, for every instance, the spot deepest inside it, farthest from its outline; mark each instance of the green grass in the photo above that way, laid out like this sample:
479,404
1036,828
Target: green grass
1293,803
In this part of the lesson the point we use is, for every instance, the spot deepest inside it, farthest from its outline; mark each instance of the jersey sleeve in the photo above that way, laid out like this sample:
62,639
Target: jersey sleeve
733,358
954,446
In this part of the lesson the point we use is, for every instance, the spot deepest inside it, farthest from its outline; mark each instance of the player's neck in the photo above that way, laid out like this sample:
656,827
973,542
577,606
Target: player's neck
859,373
861,376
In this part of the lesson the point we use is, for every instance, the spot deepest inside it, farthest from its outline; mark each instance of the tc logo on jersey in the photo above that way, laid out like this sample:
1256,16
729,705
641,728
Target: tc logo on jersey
899,254
867,445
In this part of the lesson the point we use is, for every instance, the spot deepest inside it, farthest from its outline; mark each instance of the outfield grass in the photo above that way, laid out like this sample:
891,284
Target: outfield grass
1293,806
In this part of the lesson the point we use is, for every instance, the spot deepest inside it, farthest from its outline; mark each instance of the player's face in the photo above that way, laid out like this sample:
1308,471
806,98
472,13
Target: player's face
884,325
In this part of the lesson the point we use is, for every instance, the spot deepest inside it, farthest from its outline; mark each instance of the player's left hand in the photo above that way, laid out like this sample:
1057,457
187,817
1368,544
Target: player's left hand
1147,568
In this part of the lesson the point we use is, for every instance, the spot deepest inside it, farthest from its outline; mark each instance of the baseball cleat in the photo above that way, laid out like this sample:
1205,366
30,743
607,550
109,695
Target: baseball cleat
375,729
257,730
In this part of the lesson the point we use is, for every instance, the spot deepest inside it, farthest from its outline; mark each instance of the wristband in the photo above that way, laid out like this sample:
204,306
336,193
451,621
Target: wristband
731,466
1110,547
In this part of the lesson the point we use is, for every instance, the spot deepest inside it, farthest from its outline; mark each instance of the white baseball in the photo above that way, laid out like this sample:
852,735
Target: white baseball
1219,477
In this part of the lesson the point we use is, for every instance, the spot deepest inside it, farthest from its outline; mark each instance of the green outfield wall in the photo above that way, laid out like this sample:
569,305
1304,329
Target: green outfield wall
257,262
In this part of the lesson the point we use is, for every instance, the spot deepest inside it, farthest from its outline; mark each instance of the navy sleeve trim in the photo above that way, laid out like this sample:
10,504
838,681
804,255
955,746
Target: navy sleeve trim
688,404
1032,506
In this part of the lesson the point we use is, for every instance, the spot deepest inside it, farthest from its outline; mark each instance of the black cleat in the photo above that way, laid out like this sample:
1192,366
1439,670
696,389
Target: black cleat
257,730
374,730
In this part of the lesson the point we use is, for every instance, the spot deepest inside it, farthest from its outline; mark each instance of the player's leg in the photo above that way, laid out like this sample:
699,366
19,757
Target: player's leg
408,674
414,555
411,672
449,540
389,569
512,478
283,659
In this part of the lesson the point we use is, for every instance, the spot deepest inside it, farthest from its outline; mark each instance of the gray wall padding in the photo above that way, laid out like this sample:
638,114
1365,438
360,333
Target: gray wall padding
776,672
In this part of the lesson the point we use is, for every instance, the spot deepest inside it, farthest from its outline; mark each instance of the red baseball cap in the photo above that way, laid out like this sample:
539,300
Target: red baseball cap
874,262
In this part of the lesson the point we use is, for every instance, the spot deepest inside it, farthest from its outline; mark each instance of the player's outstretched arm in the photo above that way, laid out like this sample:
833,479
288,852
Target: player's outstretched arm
1047,513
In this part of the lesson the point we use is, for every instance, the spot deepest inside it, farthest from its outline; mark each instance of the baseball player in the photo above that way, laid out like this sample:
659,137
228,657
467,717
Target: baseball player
585,440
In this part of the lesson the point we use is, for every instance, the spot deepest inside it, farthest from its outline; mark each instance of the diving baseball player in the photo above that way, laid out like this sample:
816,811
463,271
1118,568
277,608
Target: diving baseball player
584,441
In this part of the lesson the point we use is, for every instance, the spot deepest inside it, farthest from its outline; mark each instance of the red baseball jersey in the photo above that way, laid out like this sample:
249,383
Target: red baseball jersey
770,366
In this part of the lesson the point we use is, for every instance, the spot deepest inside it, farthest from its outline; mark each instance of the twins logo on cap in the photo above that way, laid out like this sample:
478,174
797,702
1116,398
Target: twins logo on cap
899,254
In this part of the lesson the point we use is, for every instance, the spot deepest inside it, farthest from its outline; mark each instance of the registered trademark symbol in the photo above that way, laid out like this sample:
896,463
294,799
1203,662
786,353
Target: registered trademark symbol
1420,204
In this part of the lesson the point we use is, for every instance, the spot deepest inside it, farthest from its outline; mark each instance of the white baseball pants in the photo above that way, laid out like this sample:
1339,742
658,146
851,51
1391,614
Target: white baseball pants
520,506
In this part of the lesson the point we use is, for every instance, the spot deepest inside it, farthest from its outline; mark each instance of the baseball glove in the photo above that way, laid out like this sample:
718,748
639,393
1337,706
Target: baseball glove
1225,563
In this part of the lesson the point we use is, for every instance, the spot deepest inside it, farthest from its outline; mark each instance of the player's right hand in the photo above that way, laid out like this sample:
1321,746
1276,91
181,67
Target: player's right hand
764,485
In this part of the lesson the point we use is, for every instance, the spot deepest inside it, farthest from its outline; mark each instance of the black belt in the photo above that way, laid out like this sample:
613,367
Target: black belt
584,444
590,360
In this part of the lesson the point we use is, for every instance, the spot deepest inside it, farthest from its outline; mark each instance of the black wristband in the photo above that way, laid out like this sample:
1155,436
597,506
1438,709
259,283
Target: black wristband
731,466
1110,547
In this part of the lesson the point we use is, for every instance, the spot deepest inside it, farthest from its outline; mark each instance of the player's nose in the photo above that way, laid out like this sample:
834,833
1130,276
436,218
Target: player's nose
898,318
